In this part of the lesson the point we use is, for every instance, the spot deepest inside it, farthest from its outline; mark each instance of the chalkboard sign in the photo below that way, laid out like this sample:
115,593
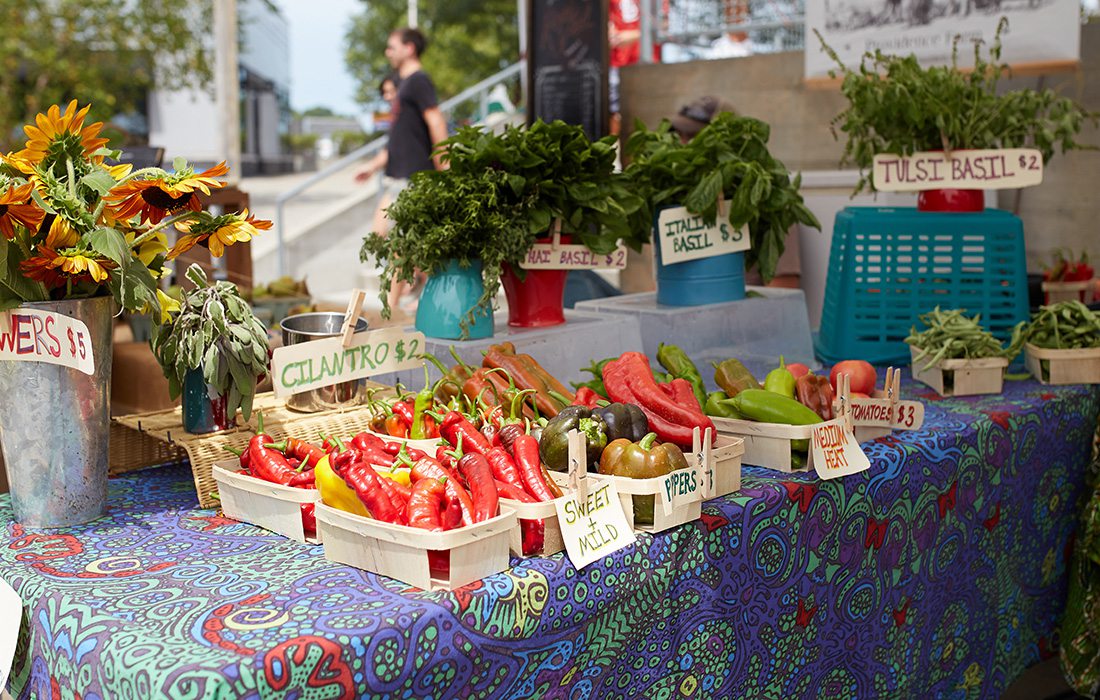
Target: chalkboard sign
567,63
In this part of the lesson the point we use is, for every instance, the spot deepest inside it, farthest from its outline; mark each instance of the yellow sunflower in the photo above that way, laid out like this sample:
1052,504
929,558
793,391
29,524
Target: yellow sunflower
217,232
17,207
56,135
156,198
51,266
60,234
168,306
150,248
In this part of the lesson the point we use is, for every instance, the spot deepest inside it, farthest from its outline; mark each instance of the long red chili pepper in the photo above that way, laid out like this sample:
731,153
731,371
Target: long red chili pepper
399,493
361,477
309,519
513,492
242,455
526,451
365,440
443,457
504,468
267,464
308,453
427,503
396,426
479,478
455,424
303,479
429,468
452,516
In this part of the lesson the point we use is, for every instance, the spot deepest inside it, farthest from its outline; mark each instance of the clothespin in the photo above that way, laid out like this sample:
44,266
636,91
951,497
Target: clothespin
578,466
701,447
844,400
351,316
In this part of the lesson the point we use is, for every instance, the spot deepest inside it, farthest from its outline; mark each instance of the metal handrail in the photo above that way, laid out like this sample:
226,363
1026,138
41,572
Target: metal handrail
373,147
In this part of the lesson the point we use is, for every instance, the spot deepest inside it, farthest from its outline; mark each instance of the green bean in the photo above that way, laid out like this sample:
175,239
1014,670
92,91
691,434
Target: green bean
952,335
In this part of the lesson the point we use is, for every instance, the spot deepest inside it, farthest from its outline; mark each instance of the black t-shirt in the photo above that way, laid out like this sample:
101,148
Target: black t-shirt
410,146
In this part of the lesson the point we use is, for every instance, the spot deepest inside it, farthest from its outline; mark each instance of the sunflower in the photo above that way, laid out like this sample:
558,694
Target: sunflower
55,137
52,267
60,233
216,232
168,306
16,207
149,249
155,198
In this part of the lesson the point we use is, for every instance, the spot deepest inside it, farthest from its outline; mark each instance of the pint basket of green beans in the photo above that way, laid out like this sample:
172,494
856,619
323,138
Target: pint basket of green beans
955,356
1062,344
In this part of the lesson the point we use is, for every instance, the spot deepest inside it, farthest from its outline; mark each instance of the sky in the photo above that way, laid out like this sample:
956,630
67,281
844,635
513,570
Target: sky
317,73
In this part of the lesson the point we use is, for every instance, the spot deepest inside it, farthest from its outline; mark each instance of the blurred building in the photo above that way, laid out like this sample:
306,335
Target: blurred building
187,122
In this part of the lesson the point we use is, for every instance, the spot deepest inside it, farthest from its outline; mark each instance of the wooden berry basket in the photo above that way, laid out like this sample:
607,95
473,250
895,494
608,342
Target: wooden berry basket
1083,291
271,506
1081,366
664,518
552,540
720,462
969,377
401,552
768,444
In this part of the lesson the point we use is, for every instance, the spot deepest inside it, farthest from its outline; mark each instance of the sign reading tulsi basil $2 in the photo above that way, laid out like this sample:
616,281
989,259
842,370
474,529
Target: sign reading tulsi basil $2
684,236
318,363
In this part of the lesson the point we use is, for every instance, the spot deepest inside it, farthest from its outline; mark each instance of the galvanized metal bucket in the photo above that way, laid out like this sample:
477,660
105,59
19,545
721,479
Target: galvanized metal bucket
313,326
55,425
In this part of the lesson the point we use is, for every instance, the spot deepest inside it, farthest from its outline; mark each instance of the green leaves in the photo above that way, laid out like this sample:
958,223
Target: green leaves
110,244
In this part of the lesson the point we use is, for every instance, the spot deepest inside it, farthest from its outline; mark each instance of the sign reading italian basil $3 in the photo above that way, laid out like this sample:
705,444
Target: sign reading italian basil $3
684,236
318,363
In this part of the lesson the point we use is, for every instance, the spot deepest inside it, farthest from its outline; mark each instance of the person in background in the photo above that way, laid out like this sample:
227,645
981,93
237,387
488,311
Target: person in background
688,122
624,36
417,127
387,89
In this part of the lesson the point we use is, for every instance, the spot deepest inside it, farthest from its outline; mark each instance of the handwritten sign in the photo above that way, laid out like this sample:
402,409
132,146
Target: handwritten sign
974,170
544,256
899,415
680,488
684,236
44,336
305,366
836,452
11,609
595,528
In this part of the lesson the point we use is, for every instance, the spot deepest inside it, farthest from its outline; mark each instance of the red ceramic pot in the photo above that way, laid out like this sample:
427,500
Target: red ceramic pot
538,300
951,200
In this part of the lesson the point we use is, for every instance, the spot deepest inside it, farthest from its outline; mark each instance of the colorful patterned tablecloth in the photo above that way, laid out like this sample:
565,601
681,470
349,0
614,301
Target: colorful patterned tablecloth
938,573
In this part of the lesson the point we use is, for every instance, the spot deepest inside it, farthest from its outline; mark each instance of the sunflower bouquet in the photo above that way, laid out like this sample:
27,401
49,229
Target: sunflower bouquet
72,226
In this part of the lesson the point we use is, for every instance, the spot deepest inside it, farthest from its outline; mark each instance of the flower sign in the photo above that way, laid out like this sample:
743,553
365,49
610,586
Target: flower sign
73,227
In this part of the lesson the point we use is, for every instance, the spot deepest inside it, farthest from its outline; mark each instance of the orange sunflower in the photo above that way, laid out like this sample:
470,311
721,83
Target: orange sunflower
156,198
54,267
57,136
216,232
17,207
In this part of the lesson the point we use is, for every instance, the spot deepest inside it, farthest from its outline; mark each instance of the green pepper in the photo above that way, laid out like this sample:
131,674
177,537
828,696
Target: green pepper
623,420
596,370
769,407
718,406
733,377
425,398
680,366
554,443
780,380
642,460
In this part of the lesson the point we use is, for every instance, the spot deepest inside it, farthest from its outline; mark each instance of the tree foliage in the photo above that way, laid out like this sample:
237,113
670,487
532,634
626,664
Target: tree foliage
468,40
97,51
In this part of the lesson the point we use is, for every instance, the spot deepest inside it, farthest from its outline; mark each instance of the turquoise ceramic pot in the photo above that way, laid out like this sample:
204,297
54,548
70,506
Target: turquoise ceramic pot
447,298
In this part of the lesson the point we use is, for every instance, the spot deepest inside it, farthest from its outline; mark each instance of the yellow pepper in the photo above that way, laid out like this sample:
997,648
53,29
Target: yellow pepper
335,493
400,475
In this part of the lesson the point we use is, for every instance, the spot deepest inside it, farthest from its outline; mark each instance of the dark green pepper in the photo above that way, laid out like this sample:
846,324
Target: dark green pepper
718,406
623,420
554,443
679,365
733,377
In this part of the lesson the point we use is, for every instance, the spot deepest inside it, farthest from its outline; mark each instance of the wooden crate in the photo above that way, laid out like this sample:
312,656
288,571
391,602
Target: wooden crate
1066,366
552,540
271,506
1083,291
969,377
402,552
662,520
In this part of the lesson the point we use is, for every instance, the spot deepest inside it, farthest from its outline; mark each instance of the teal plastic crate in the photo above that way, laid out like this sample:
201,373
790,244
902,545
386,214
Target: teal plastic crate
888,266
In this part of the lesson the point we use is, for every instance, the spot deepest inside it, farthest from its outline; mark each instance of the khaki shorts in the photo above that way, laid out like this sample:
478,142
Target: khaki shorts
392,186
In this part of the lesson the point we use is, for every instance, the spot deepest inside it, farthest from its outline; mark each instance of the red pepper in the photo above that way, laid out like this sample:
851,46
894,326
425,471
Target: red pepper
479,478
816,393
267,464
455,425
587,397
629,379
242,455
513,492
365,440
399,493
526,450
452,516
533,536
396,426
361,477
443,457
309,520
303,479
331,445
491,432
427,504
429,468
504,468
683,394
404,409
307,453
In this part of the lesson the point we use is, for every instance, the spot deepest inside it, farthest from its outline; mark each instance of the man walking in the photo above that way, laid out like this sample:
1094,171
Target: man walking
416,126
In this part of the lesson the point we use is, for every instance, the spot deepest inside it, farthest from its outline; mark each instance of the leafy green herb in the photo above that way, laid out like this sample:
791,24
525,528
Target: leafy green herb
949,335
216,332
449,215
555,172
730,157
896,106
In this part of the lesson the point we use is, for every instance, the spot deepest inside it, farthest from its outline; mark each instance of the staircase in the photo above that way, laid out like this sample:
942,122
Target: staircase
321,219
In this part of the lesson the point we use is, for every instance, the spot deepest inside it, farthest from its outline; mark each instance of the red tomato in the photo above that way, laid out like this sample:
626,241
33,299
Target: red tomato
862,376
798,369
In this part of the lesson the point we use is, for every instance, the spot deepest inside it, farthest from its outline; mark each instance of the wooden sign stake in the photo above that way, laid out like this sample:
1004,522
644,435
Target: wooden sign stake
555,234
723,210
578,466
351,316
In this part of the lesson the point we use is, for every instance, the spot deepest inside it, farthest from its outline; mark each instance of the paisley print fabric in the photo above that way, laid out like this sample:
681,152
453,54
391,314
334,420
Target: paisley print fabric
939,573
